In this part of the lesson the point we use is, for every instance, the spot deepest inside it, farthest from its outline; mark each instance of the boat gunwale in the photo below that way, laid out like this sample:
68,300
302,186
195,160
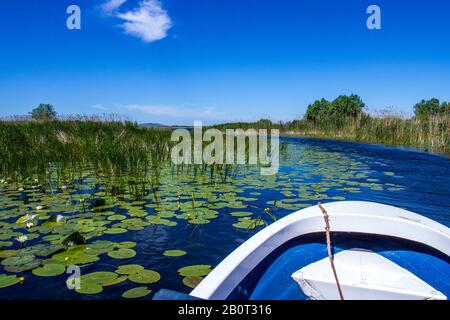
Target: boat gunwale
345,216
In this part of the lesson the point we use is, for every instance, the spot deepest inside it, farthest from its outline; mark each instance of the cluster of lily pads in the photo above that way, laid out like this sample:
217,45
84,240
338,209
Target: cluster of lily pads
44,232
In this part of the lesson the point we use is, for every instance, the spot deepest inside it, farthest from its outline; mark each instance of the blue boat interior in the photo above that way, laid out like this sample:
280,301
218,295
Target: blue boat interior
271,279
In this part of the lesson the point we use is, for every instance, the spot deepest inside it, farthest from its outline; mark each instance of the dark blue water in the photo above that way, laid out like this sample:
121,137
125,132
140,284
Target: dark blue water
420,182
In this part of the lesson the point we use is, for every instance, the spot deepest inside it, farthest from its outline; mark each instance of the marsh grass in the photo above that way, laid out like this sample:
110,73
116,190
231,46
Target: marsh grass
122,156
119,153
431,133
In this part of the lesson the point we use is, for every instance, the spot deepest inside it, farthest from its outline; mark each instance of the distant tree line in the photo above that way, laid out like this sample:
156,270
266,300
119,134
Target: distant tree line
342,106
352,106
426,108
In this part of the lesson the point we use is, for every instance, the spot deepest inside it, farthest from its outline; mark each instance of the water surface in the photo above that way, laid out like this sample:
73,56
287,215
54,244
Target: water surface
209,221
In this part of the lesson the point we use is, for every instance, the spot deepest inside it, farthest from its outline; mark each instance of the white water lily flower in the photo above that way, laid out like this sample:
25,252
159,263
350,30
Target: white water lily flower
63,187
30,225
22,239
39,207
70,243
59,218
20,189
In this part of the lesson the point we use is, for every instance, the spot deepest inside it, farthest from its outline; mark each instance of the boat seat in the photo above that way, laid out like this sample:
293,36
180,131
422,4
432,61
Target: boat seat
363,275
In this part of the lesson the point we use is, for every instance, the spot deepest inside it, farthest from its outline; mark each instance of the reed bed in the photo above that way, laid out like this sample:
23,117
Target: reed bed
430,133
122,156
61,150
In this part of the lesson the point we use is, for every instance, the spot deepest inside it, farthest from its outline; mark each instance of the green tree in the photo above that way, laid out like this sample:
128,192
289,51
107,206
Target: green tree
43,112
425,108
445,108
318,109
347,106
264,123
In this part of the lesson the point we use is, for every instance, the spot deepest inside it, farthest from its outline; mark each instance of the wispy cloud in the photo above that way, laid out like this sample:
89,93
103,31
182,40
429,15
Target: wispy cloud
207,113
111,6
99,106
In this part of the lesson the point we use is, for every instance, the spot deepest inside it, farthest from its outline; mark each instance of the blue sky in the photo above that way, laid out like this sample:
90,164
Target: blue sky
176,61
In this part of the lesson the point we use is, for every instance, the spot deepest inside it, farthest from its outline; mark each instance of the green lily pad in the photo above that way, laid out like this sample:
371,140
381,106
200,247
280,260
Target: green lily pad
52,237
7,281
115,230
145,277
138,292
5,244
248,223
116,217
115,281
192,282
7,253
122,253
127,244
195,270
158,220
198,221
12,261
174,253
241,214
89,288
75,256
98,277
17,268
49,270
129,269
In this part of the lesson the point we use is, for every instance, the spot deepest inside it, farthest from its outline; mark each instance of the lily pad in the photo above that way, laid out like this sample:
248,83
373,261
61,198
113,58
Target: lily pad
248,223
7,253
138,292
195,270
75,256
145,277
122,253
115,230
117,217
129,269
12,261
114,281
192,282
241,214
174,253
49,270
127,244
98,277
89,288
7,281
17,268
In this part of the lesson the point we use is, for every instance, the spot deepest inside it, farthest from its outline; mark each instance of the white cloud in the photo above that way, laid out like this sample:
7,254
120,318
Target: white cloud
179,112
99,106
149,21
110,6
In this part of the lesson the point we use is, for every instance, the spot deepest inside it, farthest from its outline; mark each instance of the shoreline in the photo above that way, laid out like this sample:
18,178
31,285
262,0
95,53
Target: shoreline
444,153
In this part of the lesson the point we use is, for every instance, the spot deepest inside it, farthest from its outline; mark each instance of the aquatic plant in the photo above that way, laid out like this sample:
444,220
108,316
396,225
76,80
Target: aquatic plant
85,211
